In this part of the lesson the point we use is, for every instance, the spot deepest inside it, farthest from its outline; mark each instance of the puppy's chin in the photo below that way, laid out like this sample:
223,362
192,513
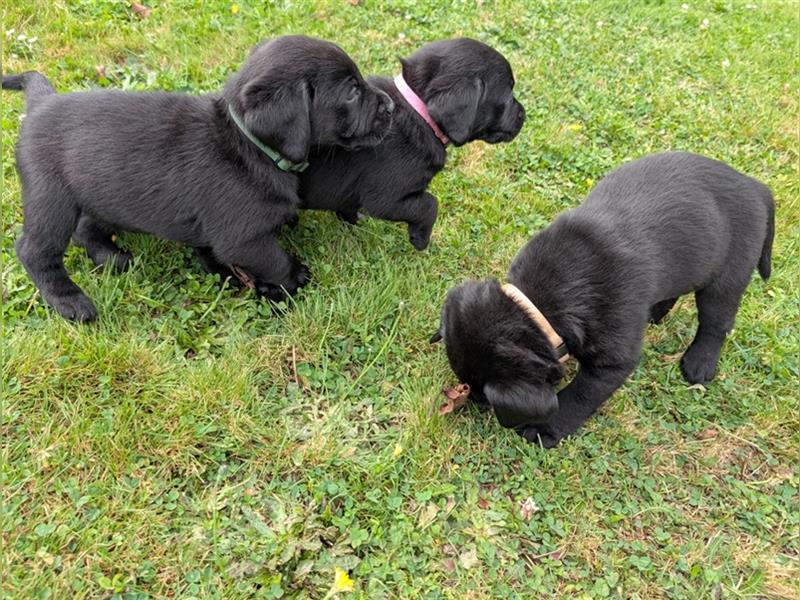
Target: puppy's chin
519,403
367,140
498,137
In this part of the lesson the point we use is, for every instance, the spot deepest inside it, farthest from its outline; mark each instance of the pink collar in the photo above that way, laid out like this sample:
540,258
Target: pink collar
419,105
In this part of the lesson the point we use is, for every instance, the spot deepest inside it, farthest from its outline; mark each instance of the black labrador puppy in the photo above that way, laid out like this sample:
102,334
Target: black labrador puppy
217,172
651,231
463,90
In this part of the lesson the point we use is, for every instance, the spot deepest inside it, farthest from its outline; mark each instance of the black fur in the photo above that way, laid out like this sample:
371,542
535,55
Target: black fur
468,88
651,231
176,166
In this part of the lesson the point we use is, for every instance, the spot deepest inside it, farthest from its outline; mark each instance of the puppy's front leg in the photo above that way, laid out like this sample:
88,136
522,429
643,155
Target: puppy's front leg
577,401
276,274
348,215
419,210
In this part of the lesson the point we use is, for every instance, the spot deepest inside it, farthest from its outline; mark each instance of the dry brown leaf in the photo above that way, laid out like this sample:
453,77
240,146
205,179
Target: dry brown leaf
428,515
483,503
244,277
449,550
456,398
141,10
707,434
101,71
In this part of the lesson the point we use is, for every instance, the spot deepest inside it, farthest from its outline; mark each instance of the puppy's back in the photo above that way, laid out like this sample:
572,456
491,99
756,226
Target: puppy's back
685,213
105,146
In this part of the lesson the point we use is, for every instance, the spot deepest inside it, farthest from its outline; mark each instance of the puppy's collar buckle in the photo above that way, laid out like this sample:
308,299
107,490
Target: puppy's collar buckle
418,104
283,163
529,308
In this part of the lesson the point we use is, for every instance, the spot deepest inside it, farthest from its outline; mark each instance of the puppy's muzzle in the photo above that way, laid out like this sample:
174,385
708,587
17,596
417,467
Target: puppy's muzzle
512,121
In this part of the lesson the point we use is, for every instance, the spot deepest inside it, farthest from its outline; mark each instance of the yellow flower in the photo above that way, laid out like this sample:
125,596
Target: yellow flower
589,182
575,127
398,450
342,581
234,8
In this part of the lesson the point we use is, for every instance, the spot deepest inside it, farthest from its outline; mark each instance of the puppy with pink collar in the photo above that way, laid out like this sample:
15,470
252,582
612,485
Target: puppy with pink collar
449,92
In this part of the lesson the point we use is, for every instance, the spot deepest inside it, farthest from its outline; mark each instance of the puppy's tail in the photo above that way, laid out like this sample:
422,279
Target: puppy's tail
35,85
765,262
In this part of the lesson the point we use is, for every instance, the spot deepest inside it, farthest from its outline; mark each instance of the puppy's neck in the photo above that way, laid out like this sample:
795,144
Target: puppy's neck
557,310
234,141
539,319
419,106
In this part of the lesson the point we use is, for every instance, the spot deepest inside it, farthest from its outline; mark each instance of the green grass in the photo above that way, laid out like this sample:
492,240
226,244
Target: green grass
192,444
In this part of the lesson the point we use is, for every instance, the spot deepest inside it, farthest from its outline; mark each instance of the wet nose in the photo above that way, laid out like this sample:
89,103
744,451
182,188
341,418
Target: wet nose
520,112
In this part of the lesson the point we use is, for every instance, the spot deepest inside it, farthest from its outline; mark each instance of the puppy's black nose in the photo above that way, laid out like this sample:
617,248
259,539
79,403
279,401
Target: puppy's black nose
520,114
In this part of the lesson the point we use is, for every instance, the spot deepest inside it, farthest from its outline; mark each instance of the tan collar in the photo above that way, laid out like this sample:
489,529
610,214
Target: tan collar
529,308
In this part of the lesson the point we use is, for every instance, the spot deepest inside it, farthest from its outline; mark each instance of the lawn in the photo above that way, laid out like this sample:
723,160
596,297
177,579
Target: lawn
193,442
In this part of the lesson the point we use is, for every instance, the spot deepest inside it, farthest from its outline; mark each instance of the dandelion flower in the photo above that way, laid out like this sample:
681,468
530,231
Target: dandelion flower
342,581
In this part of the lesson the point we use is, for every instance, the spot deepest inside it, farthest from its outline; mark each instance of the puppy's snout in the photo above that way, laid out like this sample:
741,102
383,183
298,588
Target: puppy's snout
520,111
518,115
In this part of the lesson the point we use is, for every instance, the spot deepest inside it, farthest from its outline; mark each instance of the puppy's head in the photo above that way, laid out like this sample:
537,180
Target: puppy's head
295,91
493,346
468,88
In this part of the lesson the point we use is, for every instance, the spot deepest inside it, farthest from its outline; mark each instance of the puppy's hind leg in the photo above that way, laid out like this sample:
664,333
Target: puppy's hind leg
716,313
275,273
659,310
418,210
100,247
50,220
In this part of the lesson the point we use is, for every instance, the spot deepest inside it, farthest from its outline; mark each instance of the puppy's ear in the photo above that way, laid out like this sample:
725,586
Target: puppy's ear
280,116
521,403
455,110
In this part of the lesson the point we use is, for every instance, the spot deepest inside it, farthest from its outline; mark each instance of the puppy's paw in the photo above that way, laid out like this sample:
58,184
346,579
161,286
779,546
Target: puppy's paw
349,216
116,261
541,433
75,307
292,221
272,292
301,276
419,235
698,366
119,262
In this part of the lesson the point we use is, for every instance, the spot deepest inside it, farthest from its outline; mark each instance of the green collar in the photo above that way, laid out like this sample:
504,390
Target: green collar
284,164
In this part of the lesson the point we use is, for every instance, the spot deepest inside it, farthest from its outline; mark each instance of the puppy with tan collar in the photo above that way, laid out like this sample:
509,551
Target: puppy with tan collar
653,230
